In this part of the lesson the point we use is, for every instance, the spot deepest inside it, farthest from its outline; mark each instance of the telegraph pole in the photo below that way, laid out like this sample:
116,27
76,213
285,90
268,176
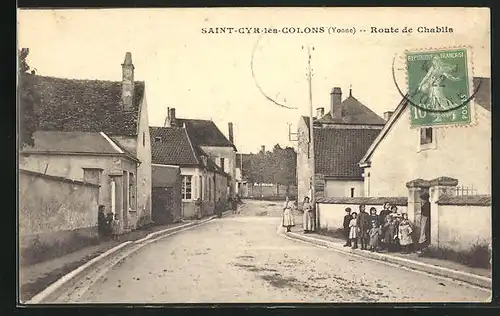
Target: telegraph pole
311,136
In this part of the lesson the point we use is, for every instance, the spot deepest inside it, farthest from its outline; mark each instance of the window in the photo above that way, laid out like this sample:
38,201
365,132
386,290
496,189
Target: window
131,191
352,192
201,187
209,190
186,187
425,135
143,139
92,175
157,139
222,163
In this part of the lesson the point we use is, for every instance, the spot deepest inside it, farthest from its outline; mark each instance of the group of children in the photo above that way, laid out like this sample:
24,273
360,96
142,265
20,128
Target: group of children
388,231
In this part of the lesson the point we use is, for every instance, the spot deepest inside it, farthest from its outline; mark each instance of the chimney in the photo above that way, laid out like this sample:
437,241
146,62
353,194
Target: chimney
263,148
172,118
335,100
320,112
128,82
167,119
231,136
387,115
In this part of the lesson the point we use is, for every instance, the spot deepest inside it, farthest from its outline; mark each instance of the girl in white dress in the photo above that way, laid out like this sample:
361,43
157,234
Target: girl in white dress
288,220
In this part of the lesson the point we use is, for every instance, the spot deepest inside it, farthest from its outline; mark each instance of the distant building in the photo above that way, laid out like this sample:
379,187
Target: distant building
201,177
208,137
96,131
400,153
341,137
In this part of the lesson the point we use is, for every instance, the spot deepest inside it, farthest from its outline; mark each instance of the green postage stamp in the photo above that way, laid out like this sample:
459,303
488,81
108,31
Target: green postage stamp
440,86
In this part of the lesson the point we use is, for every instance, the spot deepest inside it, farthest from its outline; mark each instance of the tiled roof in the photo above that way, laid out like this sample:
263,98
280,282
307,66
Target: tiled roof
353,112
70,142
86,106
476,200
400,201
205,133
171,146
338,151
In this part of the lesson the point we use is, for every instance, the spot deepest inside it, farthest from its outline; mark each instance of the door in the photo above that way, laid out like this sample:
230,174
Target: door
163,205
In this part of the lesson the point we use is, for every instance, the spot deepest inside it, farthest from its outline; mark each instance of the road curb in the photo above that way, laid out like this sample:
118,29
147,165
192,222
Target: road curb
473,279
38,298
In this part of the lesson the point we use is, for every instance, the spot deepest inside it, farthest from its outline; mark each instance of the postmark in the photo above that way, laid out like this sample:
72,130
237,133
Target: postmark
440,86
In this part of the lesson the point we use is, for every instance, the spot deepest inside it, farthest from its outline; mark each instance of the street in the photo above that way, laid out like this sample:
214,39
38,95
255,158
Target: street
241,259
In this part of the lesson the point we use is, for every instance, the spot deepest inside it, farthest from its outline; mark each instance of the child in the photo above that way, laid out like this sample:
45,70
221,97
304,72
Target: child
386,210
390,233
375,233
347,221
373,217
404,234
115,227
354,231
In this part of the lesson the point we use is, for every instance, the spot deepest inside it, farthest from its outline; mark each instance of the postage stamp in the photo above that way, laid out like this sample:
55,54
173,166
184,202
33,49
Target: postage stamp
440,88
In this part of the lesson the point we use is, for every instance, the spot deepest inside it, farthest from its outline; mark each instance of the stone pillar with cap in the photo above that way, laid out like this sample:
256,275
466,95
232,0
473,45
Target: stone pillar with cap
415,188
439,187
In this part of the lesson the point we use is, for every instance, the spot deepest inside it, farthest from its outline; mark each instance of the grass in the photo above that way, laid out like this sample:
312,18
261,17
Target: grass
334,233
477,256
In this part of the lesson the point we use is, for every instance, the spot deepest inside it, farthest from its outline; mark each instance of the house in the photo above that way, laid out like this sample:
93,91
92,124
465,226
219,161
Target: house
206,135
341,137
401,153
201,177
96,131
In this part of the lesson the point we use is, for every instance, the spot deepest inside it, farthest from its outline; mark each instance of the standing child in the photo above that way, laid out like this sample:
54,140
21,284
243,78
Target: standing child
375,233
115,227
390,233
373,217
354,231
404,234
347,221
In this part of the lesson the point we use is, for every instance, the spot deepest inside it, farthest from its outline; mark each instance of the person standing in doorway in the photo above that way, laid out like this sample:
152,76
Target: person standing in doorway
308,222
363,225
101,221
347,221
425,212
288,220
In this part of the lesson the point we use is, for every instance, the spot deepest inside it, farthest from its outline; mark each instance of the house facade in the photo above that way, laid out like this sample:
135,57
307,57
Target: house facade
201,178
402,153
341,137
95,130
206,136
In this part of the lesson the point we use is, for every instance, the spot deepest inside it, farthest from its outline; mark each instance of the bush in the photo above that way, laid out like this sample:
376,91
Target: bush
477,256
334,233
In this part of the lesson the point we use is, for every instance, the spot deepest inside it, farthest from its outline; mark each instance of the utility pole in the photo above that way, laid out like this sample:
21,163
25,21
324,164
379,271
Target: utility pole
311,135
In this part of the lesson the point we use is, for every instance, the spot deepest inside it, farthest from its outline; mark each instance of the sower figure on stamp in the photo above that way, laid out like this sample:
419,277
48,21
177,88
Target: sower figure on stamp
347,220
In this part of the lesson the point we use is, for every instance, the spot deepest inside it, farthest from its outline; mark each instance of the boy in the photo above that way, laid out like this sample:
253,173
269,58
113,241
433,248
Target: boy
347,220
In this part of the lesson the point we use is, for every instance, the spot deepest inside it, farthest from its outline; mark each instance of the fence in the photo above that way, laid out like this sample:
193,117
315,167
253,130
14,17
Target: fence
54,212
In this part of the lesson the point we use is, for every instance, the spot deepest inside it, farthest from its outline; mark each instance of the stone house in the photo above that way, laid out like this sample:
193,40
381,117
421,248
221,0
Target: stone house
206,136
341,137
201,177
401,153
96,131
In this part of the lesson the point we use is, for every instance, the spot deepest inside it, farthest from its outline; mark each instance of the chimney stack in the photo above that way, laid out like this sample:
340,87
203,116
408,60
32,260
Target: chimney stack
167,119
172,117
387,115
128,82
263,148
231,136
320,112
335,100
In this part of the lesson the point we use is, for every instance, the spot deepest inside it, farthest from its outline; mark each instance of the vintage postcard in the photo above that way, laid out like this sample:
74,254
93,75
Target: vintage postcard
254,155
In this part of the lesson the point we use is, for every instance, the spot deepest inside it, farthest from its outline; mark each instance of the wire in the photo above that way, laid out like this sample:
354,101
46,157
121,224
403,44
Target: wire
257,84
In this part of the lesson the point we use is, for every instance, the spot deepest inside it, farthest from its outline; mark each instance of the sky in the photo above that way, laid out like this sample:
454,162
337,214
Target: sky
209,76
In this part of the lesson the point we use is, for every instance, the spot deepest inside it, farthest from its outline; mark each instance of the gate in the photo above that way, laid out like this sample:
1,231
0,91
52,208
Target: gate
163,205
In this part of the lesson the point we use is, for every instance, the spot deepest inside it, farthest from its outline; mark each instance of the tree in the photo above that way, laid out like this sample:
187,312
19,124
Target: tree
28,99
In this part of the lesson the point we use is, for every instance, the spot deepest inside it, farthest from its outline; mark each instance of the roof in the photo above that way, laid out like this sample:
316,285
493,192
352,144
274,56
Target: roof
205,133
401,201
173,147
353,112
86,105
476,200
338,151
52,142
482,98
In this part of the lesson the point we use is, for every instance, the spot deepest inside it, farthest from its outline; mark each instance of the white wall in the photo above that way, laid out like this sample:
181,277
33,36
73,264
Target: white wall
342,188
331,216
461,226
463,153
